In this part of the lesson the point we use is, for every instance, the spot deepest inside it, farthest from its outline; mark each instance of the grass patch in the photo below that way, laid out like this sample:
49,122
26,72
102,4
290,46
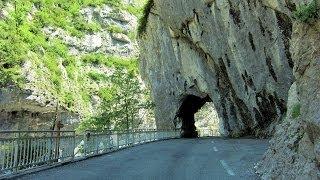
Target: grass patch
96,76
111,61
115,29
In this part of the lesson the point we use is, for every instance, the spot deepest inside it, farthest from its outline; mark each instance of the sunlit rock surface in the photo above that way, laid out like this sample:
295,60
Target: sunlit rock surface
237,52
294,152
245,55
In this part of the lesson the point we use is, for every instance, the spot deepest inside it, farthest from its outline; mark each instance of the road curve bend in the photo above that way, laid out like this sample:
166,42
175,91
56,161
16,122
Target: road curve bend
185,159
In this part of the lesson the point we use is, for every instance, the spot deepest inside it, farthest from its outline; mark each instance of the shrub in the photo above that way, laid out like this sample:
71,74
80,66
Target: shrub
296,111
135,10
96,76
93,58
81,25
307,13
71,69
115,29
143,21
115,3
69,99
132,35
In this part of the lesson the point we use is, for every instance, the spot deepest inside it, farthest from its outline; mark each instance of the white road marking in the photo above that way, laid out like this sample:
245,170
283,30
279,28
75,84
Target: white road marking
215,149
227,168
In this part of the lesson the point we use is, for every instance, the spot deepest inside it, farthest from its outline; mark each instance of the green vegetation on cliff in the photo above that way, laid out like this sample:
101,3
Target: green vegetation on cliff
30,58
296,111
308,12
143,21
21,32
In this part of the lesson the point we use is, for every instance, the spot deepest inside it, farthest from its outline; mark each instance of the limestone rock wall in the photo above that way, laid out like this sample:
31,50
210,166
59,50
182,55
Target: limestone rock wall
25,110
237,52
36,120
33,106
295,148
245,55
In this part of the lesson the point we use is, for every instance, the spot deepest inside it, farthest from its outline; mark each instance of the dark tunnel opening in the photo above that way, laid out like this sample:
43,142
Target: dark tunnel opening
191,104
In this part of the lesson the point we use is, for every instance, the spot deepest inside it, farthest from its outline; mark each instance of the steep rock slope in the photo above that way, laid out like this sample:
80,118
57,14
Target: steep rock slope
235,52
59,53
295,148
189,46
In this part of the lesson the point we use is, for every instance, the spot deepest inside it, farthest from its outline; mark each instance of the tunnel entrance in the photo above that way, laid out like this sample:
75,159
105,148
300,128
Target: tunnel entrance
191,104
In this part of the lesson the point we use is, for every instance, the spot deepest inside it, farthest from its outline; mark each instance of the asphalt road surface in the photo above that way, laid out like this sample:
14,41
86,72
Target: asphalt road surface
185,159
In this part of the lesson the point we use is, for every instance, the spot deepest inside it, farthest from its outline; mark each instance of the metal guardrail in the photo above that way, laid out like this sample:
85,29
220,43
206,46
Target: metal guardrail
24,150
207,132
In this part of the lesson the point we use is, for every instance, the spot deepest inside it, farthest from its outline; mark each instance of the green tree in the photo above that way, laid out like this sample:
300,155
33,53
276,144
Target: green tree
121,103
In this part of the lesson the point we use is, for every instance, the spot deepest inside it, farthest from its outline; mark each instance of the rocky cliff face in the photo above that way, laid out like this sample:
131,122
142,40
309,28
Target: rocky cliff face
74,82
235,52
244,55
294,152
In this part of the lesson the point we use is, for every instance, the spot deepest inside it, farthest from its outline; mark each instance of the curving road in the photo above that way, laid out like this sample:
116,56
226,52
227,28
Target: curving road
207,158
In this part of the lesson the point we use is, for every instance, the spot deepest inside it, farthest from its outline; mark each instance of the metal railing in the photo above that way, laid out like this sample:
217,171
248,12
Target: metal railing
24,150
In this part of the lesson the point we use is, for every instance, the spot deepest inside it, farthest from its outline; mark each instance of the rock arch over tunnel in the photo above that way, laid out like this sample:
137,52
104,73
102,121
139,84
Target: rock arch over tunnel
190,105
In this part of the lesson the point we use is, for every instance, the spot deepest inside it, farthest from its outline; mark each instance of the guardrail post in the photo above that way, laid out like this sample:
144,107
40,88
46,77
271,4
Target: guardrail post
2,155
50,144
148,136
127,138
85,142
16,152
96,142
133,139
73,144
117,134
